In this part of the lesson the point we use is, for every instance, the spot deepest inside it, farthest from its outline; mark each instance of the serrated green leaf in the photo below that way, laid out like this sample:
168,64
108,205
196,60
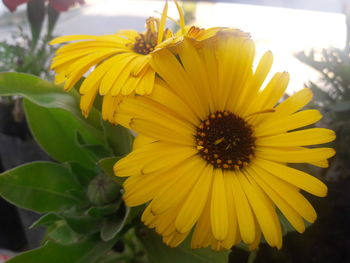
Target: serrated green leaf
39,186
158,252
87,251
55,131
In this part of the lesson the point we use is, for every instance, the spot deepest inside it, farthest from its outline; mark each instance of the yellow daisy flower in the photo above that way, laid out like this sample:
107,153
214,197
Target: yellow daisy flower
213,147
120,61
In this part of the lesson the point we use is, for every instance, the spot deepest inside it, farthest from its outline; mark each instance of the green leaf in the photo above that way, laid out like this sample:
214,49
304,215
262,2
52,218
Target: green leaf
101,211
83,224
87,251
107,167
83,174
61,233
96,151
116,257
157,251
113,225
39,186
55,131
46,94
118,138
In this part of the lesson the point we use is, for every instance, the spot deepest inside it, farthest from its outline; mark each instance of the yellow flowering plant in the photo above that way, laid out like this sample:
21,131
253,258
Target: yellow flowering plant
208,170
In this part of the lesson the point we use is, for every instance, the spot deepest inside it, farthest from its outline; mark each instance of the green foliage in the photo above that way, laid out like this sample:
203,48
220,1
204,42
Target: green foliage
332,98
45,94
84,214
31,54
40,186
87,251
158,252
55,130
19,55
119,147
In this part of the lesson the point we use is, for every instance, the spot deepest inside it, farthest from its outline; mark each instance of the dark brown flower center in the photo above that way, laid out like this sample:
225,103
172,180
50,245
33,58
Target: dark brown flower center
225,140
145,43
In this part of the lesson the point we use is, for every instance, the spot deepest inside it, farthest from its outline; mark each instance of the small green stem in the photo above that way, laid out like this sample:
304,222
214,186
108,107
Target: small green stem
252,256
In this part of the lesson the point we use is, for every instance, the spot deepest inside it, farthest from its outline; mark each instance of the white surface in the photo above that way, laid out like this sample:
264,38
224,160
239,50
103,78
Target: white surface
283,31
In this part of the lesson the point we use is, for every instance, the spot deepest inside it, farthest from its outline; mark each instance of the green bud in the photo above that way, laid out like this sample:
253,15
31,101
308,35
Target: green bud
103,190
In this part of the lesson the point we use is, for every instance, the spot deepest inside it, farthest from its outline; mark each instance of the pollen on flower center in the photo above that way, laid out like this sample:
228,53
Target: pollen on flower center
225,140
145,43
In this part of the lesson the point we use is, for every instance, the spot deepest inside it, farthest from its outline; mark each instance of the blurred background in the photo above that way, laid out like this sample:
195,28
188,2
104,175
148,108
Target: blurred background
309,39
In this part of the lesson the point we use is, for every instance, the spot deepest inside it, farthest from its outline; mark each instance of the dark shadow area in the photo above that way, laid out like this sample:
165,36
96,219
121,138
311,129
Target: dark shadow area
17,147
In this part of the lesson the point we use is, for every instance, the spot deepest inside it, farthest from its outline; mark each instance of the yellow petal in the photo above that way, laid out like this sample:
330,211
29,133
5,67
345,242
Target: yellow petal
292,216
118,68
87,101
180,187
175,239
172,72
162,23
295,102
232,232
237,72
163,94
140,141
218,214
257,80
293,176
297,156
192,64
275,126
195,201
134,162
245,217
264,212
298,138
140,189
82,65
202,233
289,193
98,73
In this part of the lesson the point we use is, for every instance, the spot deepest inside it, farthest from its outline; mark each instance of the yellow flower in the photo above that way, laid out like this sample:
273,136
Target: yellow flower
213,147
120,61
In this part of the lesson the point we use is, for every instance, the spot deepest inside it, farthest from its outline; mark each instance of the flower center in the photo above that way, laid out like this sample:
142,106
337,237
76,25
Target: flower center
145,43
225,140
